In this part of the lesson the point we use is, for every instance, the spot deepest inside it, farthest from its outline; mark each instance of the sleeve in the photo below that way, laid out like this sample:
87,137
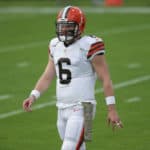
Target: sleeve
96,47
50,53
51,47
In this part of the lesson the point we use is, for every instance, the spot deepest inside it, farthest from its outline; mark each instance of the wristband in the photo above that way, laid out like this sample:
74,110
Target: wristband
110,100
35,93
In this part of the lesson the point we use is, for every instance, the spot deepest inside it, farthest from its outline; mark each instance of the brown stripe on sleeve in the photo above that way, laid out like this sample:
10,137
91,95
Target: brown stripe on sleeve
98,46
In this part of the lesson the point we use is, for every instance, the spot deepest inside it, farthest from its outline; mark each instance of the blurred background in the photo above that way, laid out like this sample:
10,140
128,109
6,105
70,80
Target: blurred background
27,26
76,2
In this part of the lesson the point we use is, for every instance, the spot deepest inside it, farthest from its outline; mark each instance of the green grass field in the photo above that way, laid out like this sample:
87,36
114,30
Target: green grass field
24,39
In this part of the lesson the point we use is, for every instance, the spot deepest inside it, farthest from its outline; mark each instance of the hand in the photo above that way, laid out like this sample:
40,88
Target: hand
113,119
27,103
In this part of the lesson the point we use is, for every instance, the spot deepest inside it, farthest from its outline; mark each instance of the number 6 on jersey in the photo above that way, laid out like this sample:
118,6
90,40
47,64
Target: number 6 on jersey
64,74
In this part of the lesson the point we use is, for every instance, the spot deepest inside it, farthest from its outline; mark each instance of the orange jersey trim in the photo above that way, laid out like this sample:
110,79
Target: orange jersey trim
98,46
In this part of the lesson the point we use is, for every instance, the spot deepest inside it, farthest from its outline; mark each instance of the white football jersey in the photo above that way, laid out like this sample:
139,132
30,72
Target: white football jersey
75,74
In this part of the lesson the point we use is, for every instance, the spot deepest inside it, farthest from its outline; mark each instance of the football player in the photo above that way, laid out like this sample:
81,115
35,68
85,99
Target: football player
76,61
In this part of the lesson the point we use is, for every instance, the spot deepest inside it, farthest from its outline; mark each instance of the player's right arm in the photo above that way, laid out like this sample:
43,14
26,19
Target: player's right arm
41,85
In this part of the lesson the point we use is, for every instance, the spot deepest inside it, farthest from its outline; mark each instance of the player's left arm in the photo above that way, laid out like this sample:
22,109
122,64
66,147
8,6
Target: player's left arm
101,68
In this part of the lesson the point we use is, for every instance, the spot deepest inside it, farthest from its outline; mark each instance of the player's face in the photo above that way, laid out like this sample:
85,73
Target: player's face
66,30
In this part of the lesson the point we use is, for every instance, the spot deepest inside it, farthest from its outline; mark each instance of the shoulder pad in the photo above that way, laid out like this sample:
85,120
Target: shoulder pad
53,42
52,45
94,46
94,39
89,40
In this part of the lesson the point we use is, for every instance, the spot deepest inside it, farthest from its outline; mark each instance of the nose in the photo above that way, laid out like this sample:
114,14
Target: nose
64,29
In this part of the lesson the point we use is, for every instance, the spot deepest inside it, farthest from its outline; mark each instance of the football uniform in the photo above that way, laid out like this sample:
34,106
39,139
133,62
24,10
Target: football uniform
75,75
75,84
72,58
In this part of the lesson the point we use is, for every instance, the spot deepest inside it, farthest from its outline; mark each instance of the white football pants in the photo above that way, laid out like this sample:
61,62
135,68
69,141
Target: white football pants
70,126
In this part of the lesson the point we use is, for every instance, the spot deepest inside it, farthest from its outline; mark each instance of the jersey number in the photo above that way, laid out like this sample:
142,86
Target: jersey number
64,74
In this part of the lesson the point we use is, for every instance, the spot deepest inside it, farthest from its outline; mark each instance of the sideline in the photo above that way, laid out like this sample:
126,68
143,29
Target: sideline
53,10
52,103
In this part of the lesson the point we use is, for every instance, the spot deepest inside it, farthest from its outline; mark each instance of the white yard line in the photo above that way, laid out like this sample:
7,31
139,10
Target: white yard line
113,31
50,10
134,66
121,10
133,99
23,64
22,47
6,96
52,103
132,28
19,111
128,83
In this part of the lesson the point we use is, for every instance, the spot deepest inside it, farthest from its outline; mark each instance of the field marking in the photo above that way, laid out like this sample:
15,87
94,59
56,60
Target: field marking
6,96
13,18
19,111
23,46
134,66
108,32
128,83
50,10
52,103
23,64
133,99
119,30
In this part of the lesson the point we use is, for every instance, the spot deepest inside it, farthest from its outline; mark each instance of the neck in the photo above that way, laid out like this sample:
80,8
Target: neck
67,43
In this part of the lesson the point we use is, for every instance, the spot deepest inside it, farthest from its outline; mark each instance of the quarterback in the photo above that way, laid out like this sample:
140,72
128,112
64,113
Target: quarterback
76,61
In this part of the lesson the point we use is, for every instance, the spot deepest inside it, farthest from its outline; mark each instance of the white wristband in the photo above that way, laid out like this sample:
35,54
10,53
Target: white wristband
35,93
110,100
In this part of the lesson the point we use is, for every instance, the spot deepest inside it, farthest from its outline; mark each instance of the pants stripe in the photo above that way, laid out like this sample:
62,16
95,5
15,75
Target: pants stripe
81,139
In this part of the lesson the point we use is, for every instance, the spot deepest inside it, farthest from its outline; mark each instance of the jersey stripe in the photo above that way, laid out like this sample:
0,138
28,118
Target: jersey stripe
98,46
65,12
95,44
